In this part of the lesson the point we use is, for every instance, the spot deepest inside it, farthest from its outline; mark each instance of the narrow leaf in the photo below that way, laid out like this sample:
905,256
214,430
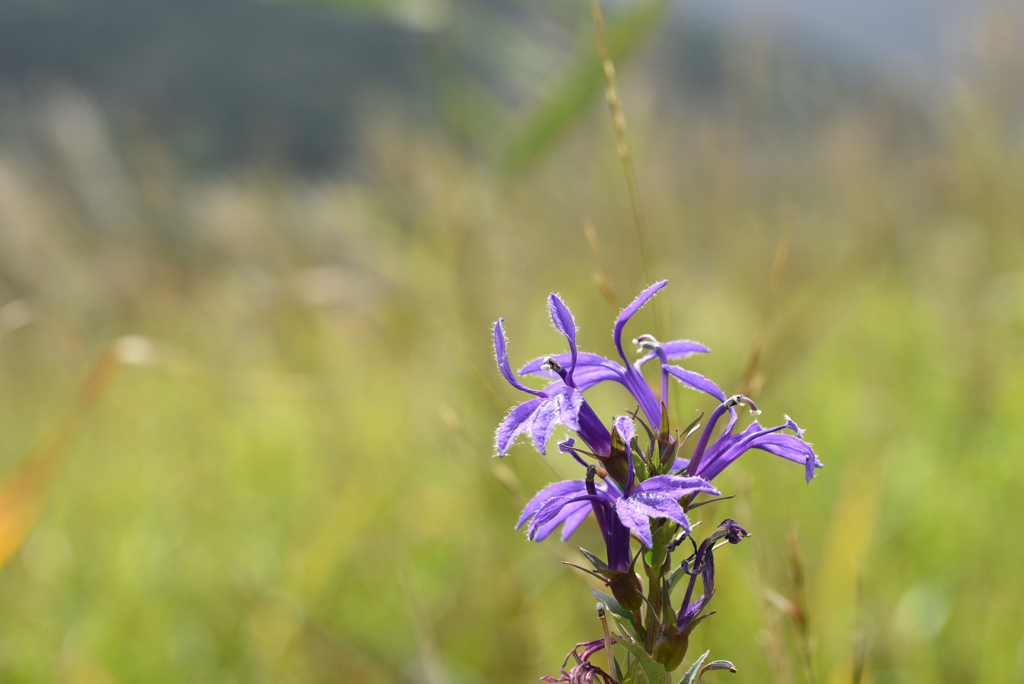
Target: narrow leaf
595,560
581,85
654,671
691,675
707,501
716,665
623,618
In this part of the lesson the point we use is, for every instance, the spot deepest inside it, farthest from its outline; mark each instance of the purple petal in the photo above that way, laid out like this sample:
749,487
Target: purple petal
628,312
551,510
786,446
691,611
593,432
696,381
569,402
587,377
609,491
635,520
561,317
673,486
626,429
574,513
677,349
726,441
583,359
572,522
655,506
565,324
564,488
516,422
752,438
635,382
791,424
543,422
790,448
679,464
636,510
501,352
566,448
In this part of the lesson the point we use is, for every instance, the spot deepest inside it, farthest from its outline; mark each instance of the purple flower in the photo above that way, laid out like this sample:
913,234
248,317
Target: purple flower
560,402
570,516
584,672
656,497
704,565
709,461
591,369
538,415
672,638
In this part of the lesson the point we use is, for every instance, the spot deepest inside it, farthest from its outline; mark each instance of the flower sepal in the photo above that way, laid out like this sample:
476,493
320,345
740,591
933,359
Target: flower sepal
617,462
670,645
696,671
624,584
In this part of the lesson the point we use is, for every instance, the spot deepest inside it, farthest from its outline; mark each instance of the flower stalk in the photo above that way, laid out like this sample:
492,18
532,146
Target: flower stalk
639,493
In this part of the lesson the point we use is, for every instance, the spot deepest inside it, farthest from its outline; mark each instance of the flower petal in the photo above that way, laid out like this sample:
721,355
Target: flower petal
572,515
636,510
593,431
565,324
572,522
677,349
543,422
634,381
655,506
587,377
564,488
696,381
679,464
754,437
628,312
673,486
501,352
550,510
790,448
516,422
635,520
626,429
583,359
569,402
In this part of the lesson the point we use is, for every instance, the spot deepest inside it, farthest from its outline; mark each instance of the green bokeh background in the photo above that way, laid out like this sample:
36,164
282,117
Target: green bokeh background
291,479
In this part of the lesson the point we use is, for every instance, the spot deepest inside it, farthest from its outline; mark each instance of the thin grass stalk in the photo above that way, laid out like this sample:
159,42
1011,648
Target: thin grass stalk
622,142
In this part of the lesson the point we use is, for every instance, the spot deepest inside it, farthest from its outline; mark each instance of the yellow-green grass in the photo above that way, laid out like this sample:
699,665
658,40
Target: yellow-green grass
292,481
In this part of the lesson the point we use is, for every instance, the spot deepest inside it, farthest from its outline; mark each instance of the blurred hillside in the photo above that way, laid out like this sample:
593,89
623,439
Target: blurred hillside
223,82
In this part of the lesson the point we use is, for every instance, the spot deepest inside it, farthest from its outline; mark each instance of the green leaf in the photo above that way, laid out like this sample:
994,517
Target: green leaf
690,429
618,670
691,675
675,576
623,618
716,665
573,94
707,501
595,560
653,671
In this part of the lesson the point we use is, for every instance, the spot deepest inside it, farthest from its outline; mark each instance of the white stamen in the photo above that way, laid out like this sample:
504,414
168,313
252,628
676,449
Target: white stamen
646,343
550,365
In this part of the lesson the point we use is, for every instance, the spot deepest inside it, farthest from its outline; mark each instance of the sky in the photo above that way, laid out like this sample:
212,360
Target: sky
926,39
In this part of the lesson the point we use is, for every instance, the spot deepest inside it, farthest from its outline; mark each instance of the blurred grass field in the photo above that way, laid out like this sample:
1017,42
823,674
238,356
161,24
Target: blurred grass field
290,477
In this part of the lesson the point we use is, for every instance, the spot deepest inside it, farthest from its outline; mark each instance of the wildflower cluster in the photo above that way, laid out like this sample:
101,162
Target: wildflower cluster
635,492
